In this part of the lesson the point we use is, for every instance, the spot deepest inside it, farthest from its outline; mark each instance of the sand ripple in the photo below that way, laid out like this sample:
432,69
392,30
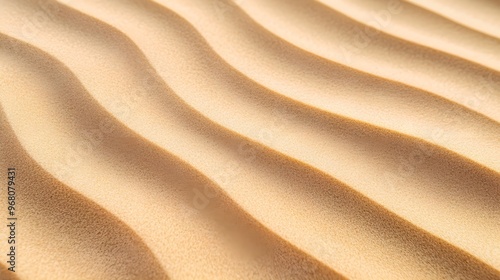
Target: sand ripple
254,139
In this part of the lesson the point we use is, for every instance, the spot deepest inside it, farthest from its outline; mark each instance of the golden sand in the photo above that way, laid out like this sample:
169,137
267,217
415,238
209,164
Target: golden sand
253,139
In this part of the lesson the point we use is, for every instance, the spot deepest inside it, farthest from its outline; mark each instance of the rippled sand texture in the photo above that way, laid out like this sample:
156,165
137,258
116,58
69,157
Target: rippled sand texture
253,139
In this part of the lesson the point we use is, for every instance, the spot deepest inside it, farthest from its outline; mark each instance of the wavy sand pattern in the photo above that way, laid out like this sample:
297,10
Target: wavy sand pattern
253,139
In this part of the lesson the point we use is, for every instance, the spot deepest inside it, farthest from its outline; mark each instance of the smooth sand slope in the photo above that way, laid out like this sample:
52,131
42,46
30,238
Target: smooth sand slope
203,139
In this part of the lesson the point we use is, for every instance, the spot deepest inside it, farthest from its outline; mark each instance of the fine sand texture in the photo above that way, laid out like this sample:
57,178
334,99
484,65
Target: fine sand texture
251,139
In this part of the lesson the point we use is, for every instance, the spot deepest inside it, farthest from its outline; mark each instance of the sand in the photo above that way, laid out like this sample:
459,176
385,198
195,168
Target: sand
253,139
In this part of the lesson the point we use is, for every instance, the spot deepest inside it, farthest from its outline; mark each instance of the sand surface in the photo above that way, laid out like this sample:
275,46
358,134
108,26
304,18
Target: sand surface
252,139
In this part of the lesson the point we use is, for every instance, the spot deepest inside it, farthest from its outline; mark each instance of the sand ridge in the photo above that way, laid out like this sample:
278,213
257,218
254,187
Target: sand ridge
230,149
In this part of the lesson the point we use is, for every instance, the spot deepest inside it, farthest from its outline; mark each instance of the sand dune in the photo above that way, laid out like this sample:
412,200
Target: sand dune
196,139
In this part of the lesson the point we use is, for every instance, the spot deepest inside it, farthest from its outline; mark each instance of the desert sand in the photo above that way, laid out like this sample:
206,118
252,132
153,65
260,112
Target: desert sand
251,139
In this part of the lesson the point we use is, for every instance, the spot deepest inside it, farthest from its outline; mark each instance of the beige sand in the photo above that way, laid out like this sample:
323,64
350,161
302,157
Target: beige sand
254,139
